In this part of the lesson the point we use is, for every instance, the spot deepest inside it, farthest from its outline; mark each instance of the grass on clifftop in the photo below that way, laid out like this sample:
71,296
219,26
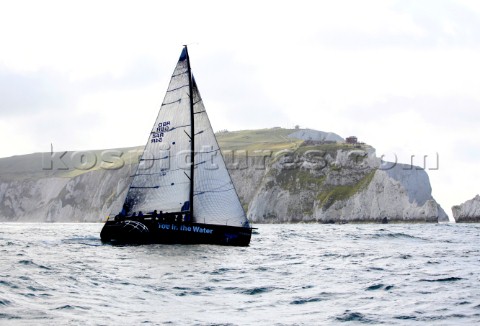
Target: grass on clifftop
268,139
122,157
273,139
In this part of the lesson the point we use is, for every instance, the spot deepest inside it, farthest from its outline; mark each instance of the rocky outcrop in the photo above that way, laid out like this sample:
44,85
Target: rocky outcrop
349,185
468,212
316,181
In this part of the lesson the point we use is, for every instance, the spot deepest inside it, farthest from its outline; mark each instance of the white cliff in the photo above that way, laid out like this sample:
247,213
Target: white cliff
399,194
314,181
30,192
467,212
347,186
89,197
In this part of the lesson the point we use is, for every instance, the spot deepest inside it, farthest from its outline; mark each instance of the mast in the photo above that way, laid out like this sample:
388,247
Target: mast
192,134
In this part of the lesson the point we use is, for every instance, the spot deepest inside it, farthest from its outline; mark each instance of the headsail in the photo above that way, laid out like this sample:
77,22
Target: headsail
162,181
215,198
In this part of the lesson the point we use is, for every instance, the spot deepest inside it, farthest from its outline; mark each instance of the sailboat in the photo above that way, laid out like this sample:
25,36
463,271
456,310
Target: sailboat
181,191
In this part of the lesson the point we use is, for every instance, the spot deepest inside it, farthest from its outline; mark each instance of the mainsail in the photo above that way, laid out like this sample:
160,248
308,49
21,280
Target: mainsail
164,180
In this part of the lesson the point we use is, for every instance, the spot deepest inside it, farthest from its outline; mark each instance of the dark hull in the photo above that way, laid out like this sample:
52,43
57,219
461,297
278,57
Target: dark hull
149,230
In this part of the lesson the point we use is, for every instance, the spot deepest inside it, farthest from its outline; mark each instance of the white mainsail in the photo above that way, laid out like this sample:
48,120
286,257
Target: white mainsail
162,181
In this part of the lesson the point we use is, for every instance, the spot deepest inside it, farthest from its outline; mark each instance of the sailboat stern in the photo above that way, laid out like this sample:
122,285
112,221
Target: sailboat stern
127,231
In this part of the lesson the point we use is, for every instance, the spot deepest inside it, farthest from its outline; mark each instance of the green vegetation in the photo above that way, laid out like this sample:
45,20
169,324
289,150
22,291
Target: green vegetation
335,168
105,159
330,148
274,139
270,139
295,180
332,194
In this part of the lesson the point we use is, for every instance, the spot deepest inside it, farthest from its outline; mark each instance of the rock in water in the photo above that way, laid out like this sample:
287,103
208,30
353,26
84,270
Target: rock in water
468,212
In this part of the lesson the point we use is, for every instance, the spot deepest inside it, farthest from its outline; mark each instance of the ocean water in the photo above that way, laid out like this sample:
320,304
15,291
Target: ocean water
305,274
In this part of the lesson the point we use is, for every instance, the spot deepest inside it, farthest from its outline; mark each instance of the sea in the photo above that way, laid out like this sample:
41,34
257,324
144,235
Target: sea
291,274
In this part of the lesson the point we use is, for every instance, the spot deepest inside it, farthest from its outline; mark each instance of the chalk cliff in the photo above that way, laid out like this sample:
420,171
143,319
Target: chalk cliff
468,212
41,188
342,186
308,177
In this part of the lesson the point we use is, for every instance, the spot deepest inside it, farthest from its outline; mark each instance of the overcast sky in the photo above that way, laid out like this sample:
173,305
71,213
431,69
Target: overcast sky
403,76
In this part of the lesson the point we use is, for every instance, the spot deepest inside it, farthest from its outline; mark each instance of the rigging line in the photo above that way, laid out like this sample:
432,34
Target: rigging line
177,169
200,112
160,186
215,191
197,101
176,89
163,173
170,129
179,101
228,183
173,128
154,159
219,187
180,73
207,152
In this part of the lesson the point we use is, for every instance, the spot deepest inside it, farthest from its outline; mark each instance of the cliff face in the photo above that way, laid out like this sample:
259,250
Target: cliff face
346,185
311,181
34,188
468,212
89,197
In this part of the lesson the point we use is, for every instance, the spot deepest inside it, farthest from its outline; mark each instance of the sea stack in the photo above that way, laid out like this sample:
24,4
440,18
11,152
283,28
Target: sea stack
468,212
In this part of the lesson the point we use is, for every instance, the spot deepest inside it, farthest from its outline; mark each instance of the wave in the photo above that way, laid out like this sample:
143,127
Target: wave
396,235
379,287
71,307
257,290
29,262
88,241
307,300
8,316
355,316
377,272
8,284
447,279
